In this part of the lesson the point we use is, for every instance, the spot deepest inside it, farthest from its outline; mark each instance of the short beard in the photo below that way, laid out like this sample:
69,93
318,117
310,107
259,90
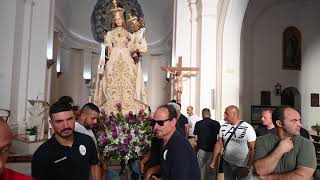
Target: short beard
292,133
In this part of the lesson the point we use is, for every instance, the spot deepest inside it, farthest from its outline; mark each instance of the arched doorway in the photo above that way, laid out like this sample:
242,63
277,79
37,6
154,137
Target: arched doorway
290,96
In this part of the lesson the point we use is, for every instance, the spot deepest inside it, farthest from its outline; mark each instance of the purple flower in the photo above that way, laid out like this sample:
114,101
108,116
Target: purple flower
114,134
136,131
116,121
119,106
139,121
125,141
107,122
103,138
150,119
126,117
141,111
112,113
123,129
103,112
126,149
113,124
129,137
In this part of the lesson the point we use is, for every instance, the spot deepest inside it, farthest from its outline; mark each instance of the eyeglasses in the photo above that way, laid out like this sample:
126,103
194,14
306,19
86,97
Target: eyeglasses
160,122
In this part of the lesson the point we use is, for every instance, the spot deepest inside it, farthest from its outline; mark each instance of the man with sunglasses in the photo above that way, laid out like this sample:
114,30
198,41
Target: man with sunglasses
178,160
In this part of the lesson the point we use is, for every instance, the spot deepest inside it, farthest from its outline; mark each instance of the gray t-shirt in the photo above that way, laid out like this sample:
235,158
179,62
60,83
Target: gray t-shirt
81,129
302,154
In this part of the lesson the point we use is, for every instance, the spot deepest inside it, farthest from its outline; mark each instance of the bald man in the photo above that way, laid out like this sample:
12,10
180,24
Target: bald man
5,143
238,139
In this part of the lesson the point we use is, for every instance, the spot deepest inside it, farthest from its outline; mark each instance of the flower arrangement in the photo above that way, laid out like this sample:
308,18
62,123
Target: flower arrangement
123,137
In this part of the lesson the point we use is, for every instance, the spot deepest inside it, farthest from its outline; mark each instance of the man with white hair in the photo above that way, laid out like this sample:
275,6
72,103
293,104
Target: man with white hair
182,121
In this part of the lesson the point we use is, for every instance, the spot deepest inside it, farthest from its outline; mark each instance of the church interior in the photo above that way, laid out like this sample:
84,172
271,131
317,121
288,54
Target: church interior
252,54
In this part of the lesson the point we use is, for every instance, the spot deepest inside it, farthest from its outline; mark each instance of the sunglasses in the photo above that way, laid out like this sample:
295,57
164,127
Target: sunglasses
160,122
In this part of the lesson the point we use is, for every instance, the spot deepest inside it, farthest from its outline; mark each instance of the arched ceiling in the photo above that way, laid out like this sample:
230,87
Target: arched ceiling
75,15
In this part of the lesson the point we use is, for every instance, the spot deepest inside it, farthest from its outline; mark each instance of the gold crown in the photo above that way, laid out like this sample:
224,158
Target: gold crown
116,10
134,23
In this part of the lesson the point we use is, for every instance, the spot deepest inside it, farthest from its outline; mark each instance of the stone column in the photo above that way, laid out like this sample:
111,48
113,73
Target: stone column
31,72
182,46
208,67
191,90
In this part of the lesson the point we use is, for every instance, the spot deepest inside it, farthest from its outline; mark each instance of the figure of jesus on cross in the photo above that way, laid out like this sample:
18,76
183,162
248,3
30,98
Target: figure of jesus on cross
178,73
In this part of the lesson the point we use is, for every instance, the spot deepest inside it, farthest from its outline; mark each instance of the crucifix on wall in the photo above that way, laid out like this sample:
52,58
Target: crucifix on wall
178,73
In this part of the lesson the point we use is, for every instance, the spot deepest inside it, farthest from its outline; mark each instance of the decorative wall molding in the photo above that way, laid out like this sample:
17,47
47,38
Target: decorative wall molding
220,28
73,40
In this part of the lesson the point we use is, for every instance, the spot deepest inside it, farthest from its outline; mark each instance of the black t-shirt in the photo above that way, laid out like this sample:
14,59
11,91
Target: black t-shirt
178,160
53,161
263,130
180,124
206,131
155,152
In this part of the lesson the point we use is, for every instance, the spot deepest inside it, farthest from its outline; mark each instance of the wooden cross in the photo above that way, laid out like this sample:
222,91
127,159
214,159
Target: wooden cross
177,71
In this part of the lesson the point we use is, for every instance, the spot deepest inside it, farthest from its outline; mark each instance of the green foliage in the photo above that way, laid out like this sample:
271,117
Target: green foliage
33,130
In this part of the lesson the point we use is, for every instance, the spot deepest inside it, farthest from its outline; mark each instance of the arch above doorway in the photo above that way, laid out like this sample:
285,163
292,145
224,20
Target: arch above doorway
290,96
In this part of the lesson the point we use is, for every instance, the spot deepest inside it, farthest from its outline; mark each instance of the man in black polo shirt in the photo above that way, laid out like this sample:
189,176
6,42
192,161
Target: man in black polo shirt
178,160
206,132
68,154
182,124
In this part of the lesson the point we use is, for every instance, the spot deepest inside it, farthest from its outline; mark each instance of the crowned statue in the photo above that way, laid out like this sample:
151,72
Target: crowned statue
119,76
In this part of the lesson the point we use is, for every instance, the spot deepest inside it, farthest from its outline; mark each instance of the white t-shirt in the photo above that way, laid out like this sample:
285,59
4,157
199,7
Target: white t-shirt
237,151
81,129
192,120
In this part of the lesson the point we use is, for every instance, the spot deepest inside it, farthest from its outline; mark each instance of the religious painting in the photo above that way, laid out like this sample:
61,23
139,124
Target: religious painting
256,113
265,98
314,100
291,47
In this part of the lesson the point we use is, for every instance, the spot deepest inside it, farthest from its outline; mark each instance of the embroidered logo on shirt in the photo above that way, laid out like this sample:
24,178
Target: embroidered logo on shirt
82,150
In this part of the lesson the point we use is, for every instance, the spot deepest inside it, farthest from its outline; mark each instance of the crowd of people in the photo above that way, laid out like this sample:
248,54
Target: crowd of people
183,148
275,150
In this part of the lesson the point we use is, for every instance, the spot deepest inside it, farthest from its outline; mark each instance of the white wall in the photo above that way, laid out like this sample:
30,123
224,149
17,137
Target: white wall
70,82
7,32
262,54
229,48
